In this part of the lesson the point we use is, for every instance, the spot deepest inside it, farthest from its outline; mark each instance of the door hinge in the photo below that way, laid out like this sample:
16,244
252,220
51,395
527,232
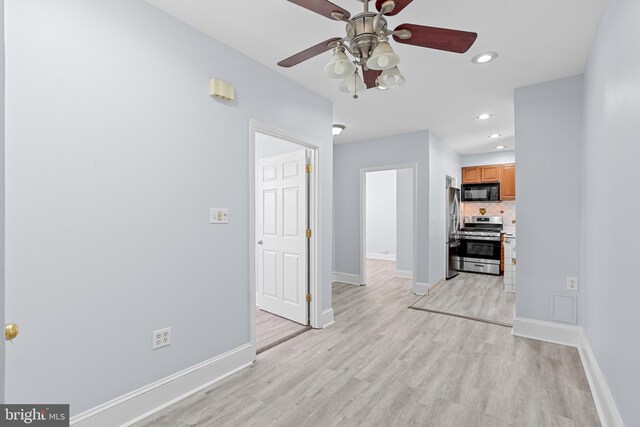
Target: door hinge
308,168
308,297
308,232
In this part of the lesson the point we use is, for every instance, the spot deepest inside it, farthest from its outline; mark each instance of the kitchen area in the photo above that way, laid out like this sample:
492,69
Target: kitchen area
480,246
482,223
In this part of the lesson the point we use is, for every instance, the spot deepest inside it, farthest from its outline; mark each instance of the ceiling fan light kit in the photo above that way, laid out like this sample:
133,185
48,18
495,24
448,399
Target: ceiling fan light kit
383,57
367,41
391,79
340,65
353,84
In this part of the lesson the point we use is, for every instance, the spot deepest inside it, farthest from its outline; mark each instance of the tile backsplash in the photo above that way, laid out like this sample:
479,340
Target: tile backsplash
506,209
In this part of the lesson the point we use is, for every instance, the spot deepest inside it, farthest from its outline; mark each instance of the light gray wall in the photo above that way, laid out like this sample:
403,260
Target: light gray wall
348,160
268,145
381,212
443,161
496,158
610,203
2,186
548,136
404,220
115,153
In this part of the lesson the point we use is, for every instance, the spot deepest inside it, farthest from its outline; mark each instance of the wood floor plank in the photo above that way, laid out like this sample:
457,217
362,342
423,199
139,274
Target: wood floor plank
478,296
382,364
271,328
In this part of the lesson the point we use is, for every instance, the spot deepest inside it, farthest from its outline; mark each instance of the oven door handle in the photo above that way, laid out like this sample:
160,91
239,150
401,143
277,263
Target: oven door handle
483,239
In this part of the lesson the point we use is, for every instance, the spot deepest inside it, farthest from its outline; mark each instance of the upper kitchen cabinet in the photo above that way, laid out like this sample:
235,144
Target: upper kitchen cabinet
472,175
504,174
481,174
508,182
491,173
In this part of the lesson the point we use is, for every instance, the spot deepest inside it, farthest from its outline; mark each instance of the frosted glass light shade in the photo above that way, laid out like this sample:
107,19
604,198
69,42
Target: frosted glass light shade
390,79
339,66
352,84
383,57
337,129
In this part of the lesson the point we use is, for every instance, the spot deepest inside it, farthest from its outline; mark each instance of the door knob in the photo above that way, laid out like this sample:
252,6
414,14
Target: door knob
259,242
11,331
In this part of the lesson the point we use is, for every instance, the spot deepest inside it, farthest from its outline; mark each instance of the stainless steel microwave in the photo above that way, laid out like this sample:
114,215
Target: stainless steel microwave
481,192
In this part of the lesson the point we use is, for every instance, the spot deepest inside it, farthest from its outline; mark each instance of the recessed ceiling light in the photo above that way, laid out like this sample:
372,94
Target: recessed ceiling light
500,147
483,58
495,135
337,129
484,116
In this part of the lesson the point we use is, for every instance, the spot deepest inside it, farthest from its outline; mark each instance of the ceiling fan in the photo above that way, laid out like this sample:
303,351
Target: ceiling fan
367,41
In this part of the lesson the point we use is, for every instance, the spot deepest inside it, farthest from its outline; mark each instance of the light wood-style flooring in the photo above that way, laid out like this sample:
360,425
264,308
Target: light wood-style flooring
271,328
473,295
382,364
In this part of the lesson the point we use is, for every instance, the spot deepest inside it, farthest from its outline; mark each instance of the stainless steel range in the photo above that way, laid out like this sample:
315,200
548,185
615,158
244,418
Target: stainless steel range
479,250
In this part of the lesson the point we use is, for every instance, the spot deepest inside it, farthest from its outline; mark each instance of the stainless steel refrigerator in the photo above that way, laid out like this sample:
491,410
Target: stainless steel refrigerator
453,230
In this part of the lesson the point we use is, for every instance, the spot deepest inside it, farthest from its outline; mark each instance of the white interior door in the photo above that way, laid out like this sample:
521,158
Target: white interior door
282,246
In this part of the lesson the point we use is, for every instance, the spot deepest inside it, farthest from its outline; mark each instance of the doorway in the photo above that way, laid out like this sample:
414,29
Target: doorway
388,224
285,236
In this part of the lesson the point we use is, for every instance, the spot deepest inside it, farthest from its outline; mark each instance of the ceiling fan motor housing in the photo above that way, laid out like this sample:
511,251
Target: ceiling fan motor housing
362,33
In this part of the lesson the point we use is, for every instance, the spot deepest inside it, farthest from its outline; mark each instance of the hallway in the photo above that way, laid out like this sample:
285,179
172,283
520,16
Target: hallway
383,364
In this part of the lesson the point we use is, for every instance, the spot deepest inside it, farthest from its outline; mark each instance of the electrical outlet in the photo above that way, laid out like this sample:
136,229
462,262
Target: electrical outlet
572,283
161,338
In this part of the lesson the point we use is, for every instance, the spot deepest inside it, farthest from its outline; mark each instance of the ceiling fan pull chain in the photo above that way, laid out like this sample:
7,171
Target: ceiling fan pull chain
355,84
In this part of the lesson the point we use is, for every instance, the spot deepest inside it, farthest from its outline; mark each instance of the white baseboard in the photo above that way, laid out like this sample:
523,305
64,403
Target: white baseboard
141,403
421,288
574,336
405,274
605,405
326,318
352,279
547,331
380,255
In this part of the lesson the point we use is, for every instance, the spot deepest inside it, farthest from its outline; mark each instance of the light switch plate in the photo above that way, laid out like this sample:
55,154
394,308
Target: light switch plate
572,283
218,216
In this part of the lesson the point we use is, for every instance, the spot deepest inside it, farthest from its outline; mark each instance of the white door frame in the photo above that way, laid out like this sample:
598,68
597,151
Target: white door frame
315,221
363,216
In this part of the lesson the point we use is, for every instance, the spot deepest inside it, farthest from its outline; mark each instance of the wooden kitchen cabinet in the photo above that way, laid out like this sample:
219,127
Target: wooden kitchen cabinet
504,174
481,174
508,182
472,175
491,173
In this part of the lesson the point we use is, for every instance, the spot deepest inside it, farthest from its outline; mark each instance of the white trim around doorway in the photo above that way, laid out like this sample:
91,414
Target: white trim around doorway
317,317
363,225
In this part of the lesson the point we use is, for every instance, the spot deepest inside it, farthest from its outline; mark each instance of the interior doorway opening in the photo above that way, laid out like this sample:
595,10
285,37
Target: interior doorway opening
284,236
388,225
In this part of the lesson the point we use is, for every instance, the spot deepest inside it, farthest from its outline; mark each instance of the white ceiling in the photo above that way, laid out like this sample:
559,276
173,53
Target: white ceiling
536,41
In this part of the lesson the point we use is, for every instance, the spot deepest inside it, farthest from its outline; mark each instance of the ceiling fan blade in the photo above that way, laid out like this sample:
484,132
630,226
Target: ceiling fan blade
436,38
400,4
322,7
370,76
309,53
